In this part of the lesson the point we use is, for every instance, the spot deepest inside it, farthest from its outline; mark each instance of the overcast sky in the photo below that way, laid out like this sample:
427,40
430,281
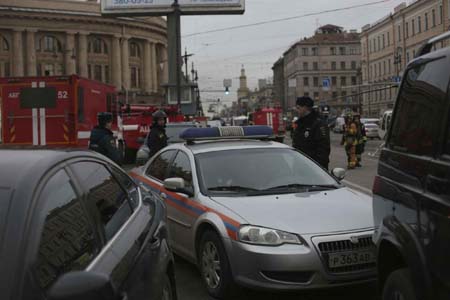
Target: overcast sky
220,55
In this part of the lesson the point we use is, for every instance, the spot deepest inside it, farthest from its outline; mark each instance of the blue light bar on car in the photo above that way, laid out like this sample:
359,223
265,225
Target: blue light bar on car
229,132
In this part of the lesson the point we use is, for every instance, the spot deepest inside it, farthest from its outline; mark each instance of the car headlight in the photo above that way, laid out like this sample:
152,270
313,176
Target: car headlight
266,236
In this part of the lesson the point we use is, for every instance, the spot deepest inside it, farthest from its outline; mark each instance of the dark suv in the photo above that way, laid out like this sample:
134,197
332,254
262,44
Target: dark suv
411,199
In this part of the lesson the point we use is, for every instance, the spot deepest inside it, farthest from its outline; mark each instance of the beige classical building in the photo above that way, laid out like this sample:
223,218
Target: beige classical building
62,37
331,55
389,44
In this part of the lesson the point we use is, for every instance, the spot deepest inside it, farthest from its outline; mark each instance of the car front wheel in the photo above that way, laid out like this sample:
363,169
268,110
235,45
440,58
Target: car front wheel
399,286
214,266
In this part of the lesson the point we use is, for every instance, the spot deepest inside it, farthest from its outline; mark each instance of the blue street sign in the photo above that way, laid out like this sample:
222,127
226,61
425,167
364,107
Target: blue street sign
326,84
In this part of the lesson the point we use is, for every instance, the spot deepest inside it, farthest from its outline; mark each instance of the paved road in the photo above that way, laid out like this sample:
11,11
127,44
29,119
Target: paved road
190,286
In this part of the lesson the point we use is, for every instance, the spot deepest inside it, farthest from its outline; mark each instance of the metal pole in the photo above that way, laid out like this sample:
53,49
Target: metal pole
177,13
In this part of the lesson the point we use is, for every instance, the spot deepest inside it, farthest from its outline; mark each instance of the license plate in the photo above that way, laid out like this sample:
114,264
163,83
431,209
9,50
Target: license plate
345,259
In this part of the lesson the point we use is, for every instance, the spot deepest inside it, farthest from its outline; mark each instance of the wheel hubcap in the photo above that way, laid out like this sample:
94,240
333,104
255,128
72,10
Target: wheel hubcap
211,265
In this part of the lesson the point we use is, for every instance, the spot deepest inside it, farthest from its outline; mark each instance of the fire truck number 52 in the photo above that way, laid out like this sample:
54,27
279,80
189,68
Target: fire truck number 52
63,95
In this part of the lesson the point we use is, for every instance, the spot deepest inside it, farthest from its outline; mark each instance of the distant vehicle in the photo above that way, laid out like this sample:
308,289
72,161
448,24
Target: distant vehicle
239,121
272,117
411,192
339,125
173,131
372,131
260,214
370,120
385,123
73,225
214,123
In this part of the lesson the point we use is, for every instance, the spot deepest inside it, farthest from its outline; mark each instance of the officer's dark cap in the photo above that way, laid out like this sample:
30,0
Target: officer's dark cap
160,114
305,101
104,118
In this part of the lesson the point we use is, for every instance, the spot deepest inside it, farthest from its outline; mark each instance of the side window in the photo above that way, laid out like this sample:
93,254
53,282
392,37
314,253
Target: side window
105,196
159,166
181,168
68,241
419,109
129,185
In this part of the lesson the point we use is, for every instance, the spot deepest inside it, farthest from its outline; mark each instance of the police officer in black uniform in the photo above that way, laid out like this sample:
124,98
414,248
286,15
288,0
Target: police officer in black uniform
312,135
102,139
157,138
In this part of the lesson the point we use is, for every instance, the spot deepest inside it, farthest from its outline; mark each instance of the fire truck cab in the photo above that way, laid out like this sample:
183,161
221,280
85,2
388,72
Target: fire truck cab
54,111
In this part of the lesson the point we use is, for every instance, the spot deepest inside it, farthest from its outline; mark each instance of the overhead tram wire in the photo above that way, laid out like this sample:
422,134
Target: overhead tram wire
286,19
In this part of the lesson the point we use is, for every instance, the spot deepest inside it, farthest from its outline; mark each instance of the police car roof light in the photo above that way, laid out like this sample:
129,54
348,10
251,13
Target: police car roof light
228,132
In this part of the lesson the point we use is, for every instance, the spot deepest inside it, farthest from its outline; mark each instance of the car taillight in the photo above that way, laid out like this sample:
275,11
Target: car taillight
376,189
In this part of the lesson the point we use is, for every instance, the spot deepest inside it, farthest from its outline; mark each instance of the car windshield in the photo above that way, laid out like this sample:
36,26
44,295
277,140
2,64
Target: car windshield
173,132
260,171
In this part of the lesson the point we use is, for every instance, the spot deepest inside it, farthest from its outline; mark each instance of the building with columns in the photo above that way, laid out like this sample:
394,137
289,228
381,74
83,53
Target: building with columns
390,43
64,37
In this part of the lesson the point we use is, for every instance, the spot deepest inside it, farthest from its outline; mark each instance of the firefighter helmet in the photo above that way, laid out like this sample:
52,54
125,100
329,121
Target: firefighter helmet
160,114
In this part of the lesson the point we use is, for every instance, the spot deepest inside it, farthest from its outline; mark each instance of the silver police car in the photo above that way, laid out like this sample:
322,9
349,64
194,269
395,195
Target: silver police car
260,214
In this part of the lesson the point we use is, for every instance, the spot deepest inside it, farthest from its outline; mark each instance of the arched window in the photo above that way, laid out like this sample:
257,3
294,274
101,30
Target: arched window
97,46
4,45
49,43
135,51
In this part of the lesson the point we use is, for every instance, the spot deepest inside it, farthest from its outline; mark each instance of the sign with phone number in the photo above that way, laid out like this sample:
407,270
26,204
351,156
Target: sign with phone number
161,7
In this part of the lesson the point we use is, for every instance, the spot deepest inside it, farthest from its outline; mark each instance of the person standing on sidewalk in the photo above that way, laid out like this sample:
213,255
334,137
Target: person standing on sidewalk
312,136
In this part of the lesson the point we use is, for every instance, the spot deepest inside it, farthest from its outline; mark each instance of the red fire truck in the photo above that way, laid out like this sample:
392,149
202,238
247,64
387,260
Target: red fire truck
54,111
136,122
272,117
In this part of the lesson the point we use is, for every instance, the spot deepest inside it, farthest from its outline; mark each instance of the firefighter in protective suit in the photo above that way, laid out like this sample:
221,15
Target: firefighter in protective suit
350,141
311,136
157,138
102,138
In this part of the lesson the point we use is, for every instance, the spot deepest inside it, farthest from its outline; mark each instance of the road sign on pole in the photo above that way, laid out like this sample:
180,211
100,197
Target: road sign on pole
326,84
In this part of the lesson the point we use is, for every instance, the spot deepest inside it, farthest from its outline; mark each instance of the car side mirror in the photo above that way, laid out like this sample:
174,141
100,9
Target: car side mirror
140,140
177,185
339,173
84,286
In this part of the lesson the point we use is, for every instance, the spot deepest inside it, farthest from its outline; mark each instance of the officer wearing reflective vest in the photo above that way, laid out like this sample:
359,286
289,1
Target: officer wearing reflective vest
102,138
312,135
157,138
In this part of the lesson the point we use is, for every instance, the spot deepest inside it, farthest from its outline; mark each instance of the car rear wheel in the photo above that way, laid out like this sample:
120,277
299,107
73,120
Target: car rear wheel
214,266
399,286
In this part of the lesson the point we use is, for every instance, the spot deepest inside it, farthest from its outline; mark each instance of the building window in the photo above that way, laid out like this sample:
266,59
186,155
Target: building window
135,51
433,18
419,24
315,66
426,21
384,41
306,81
379,44
49,44
441,14
135,77
371,72
379,69
389,65
107,78
333,51
334,81
353,65
333,65
98,72
334,95
407,56
354,80
316,81
384,67
413,27
305,66
315,51
49,70
399,29
407,29
306,94
90,71
342,51
4,46
305,51
342,65
388,38
344,95
316,95
343,81
97,46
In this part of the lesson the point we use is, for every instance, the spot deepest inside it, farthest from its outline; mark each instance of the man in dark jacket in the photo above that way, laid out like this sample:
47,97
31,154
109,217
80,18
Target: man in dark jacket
157,138
102,138
311,136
